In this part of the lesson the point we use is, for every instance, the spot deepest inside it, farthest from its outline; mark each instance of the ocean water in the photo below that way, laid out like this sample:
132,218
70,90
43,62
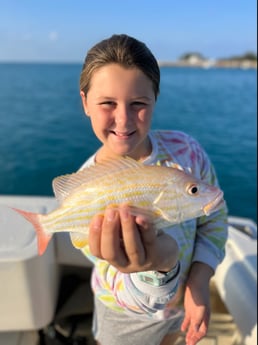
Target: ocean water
44,133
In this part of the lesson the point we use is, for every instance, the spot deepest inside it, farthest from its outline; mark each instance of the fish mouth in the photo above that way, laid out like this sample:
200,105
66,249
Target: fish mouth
214,205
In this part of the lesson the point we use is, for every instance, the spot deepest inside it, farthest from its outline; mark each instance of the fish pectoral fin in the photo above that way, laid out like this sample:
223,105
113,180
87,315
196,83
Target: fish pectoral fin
78,239
161,223
161,213
159,198
160,204
155,217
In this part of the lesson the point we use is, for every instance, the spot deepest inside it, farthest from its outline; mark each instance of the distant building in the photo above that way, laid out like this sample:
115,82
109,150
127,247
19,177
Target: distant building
248,60
195,59
192,58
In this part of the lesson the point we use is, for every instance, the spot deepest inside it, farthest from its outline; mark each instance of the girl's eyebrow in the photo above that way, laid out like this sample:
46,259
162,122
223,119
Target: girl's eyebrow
104,97
143,98
133,98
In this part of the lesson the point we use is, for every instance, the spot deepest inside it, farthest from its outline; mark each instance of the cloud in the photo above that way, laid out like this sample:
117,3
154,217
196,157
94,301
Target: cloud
53,36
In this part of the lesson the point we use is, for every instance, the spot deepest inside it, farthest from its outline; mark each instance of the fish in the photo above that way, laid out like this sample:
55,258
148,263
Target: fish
166,195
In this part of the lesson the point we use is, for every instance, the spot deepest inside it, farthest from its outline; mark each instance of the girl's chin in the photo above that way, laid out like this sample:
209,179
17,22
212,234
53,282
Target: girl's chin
135,154
117,146
123,153
116,151
122,146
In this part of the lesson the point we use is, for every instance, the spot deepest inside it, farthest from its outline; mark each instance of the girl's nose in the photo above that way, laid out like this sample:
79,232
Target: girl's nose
122,115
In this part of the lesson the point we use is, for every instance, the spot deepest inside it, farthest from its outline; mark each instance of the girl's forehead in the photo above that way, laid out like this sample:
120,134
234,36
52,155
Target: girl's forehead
114,80
114,68
114,76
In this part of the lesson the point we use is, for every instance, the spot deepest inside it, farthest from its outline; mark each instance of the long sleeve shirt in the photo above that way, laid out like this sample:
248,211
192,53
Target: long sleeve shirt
201,239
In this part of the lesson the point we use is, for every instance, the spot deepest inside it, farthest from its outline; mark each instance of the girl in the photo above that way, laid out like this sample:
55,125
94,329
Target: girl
140,279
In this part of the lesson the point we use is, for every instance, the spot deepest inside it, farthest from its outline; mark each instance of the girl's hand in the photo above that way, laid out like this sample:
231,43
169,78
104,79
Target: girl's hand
130,243
197,303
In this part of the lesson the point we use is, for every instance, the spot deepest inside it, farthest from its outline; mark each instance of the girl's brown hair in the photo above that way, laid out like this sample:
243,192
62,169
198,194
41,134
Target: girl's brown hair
125,51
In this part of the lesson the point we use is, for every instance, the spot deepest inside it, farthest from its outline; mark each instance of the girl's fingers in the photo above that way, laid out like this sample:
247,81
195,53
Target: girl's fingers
132,240
195,329
111,247
129,242
185,323
147,231
95,229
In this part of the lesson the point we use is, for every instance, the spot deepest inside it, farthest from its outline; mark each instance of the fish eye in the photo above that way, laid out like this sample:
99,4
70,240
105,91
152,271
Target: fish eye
193,189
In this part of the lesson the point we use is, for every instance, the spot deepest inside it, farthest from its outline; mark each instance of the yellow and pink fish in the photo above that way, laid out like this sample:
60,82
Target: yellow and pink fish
167,195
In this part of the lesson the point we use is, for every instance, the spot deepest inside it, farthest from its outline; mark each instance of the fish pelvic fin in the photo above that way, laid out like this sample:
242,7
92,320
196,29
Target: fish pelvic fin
78,240
42,238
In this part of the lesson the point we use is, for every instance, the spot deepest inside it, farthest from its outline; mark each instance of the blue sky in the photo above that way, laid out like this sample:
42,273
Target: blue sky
63,30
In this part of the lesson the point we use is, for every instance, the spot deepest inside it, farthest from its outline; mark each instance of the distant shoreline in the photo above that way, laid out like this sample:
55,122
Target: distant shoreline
244,64
207,64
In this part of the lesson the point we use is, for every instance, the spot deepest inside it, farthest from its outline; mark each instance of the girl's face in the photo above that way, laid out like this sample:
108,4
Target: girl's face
120,104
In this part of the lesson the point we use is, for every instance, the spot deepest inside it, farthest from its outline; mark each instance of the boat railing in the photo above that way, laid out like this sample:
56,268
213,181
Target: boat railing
245,225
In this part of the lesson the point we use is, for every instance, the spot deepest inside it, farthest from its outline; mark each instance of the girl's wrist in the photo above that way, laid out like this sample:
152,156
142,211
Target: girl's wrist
157,278
200,272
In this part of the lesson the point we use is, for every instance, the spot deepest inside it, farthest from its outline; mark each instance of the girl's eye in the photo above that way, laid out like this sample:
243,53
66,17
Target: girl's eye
107,104
138,104
193,189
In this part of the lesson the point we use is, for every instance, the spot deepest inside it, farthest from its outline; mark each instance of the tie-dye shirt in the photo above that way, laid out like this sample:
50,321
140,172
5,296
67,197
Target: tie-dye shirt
201,239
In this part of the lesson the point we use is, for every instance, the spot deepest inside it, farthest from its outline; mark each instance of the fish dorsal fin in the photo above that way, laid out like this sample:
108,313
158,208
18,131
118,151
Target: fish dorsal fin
64,185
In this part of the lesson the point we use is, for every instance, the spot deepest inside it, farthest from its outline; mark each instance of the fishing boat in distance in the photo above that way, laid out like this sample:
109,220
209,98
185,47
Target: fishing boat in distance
47,300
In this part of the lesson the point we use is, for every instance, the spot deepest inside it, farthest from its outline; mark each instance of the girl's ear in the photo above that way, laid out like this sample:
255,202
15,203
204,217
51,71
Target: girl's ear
84,102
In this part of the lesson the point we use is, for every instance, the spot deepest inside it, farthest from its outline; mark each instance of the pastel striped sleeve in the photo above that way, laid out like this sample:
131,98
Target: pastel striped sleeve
211,232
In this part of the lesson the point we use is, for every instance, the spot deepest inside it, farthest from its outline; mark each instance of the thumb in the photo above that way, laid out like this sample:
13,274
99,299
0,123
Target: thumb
185,324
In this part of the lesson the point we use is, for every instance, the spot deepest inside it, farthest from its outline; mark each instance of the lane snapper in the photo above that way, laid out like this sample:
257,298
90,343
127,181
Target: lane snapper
166,194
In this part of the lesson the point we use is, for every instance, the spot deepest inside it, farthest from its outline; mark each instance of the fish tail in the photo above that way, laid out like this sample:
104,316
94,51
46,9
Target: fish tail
42,237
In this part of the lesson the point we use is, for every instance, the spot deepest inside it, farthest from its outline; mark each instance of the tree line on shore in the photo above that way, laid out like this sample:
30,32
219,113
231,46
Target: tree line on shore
246,56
